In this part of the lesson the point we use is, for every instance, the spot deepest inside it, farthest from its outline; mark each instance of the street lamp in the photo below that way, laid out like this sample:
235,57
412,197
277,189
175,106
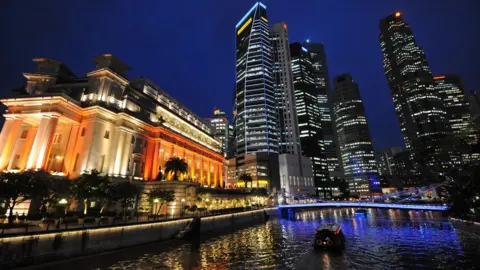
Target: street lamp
183,201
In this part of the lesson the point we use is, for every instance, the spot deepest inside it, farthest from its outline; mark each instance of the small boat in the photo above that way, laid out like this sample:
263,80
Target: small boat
329,236
361,212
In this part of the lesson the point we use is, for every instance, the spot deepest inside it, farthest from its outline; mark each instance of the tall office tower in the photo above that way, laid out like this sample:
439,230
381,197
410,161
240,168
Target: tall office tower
322,84
308,112
219,124
284,91
457,106
295,170
385,160
475,103
358,158
423,120
256,128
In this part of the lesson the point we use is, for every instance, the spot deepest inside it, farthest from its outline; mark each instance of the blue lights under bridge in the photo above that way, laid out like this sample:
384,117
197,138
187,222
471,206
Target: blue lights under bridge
367,205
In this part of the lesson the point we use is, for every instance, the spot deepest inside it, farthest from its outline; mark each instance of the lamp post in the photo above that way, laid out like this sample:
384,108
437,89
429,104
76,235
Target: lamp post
155,210
183,201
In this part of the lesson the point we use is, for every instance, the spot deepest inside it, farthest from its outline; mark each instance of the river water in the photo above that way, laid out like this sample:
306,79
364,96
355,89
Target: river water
383,239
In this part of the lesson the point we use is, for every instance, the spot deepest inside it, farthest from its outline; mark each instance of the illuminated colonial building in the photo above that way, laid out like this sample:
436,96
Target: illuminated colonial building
423,120
356,149
125,128
255,119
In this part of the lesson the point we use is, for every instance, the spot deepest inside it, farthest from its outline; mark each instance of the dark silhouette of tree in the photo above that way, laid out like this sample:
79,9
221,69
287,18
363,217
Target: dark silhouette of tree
126,194
16,188
246,178
91,187
177,166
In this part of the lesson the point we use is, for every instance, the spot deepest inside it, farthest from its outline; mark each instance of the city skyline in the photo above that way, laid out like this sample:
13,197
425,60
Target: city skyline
147,58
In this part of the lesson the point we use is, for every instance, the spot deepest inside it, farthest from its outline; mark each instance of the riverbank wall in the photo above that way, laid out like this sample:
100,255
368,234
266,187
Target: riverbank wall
42,247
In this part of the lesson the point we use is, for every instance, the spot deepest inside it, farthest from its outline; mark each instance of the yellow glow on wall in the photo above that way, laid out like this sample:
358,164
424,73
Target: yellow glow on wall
265,19
249,21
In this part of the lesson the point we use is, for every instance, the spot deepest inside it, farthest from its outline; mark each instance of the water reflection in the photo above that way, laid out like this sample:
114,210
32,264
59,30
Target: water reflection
383,239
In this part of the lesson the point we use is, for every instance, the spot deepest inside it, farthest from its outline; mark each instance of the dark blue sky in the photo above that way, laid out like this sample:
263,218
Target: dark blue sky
188,47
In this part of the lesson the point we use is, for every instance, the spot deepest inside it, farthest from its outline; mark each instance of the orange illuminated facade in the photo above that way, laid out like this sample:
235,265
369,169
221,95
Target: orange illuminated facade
124,128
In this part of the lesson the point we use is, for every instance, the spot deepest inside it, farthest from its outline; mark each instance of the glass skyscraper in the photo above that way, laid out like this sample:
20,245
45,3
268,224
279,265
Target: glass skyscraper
358,158
284,90
423,120
450,89
308,112
322,84
255,112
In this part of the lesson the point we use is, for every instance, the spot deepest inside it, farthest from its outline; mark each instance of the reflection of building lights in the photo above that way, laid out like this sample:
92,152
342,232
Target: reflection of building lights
156,201
58,157
183,200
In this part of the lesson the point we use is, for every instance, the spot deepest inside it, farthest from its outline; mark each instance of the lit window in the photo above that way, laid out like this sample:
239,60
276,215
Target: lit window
57,138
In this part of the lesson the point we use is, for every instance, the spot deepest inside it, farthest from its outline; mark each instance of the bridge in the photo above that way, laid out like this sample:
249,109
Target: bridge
367,205
405,195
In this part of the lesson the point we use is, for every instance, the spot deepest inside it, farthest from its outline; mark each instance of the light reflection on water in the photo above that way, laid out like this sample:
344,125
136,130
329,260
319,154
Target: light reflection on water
383,239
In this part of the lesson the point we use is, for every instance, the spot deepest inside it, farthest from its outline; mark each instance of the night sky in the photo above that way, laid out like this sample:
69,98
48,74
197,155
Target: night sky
188,47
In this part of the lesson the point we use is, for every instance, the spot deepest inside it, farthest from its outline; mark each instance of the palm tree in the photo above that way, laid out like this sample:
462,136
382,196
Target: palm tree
245,178
177,166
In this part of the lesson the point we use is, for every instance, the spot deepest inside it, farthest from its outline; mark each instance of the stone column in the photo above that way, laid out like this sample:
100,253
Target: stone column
215,174
119,151
193,166
42,143
149,152
221,174
209,172
201,171
112,155
155,165
127,145
8,139
69,153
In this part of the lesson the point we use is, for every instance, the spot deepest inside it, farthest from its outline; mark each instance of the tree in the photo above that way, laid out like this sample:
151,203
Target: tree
125,193
16,188
161,196
451,165
92,186
245,178
176,166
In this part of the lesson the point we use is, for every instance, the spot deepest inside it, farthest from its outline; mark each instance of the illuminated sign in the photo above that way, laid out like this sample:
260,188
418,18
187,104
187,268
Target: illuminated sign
285,25
265,19
304,49
216,112
438,77
244,26
397,14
